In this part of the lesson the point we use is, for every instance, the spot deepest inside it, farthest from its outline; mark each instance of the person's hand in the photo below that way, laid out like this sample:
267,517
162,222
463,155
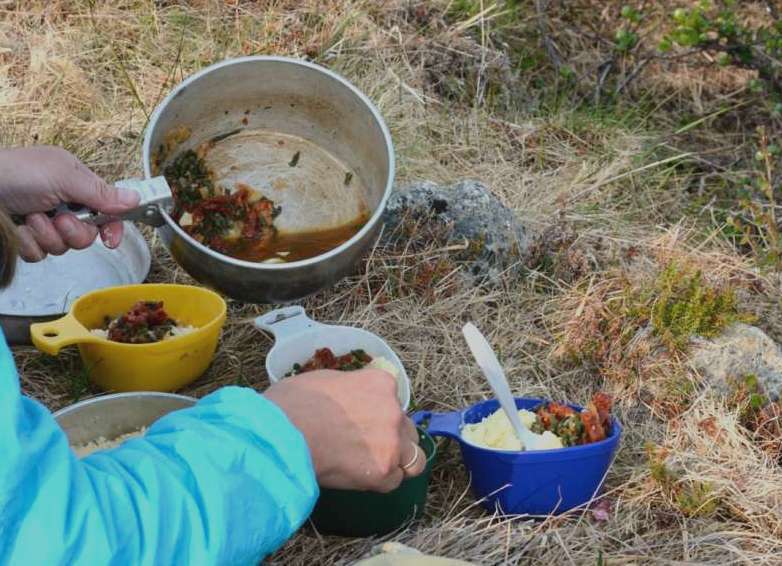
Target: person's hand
35,180
357,434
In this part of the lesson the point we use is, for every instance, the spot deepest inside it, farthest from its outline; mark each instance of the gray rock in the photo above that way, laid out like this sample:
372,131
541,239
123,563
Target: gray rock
467,213
740,351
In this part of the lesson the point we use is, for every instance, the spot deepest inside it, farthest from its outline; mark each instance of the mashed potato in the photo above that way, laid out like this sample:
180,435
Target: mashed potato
101,443
496,432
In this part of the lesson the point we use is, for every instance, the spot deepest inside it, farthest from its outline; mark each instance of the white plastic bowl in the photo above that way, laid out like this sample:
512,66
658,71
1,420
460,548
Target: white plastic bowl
297,337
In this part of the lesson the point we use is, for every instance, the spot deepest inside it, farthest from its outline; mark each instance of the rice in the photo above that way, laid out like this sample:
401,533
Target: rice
173,333
385,364
101,443
180,331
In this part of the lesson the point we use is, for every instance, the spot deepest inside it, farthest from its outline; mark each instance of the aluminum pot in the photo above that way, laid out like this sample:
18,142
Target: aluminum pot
297,99
111,416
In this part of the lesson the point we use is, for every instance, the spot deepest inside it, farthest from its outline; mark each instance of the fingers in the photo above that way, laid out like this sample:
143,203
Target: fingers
41,236
391,481
417,457
414,460
111,234
82,186
409,430
75,234
405,459
28,246
46,235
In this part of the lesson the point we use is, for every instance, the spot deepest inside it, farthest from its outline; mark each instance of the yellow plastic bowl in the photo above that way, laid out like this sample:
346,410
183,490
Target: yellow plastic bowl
160,366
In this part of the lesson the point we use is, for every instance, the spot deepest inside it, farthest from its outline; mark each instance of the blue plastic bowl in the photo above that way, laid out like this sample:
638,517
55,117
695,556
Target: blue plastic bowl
540,482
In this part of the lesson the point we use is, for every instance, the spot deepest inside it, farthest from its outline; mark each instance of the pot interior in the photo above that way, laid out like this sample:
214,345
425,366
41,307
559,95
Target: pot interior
294,133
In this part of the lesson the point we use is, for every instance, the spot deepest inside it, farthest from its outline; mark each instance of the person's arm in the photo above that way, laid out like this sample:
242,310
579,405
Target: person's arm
224,482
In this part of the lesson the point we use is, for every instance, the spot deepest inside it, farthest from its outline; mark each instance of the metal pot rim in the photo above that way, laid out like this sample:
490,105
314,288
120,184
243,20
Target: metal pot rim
373,220
131,394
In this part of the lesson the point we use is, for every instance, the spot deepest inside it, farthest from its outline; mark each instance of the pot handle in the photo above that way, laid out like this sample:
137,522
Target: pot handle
156,198
50,337
440,424
285,322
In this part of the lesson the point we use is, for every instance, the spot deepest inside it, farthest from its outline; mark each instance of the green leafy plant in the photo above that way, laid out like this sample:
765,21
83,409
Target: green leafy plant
691,498
748,397
626,37
716,27
696,499
80,384
756,223
686,306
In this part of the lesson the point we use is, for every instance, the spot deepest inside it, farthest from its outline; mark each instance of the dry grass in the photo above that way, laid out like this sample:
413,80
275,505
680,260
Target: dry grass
612,192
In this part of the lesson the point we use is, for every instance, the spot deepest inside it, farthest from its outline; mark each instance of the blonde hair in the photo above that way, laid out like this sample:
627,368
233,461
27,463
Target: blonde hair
9,246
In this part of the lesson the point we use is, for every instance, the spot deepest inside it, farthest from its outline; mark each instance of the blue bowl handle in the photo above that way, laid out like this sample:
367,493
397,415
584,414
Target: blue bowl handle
440,424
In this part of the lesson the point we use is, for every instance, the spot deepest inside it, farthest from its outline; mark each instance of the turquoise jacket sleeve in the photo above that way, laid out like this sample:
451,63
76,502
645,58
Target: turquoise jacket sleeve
224,482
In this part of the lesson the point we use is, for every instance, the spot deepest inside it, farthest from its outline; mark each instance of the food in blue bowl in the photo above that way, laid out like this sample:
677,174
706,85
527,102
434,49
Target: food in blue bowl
539,482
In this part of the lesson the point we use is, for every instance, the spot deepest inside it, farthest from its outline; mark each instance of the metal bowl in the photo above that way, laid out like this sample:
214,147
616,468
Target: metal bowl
300,101
46,289
111,416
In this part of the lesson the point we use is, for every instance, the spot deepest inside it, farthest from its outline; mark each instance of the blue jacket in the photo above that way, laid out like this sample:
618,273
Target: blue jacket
224,482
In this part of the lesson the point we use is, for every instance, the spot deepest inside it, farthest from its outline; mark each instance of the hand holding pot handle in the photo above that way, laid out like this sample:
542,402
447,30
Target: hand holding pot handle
357,434
36,180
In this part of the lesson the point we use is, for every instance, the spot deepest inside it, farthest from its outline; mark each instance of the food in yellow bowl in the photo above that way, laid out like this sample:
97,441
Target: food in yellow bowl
165,365
146,322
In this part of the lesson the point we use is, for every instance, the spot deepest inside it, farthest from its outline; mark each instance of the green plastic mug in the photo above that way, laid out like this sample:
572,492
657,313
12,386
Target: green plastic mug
366,513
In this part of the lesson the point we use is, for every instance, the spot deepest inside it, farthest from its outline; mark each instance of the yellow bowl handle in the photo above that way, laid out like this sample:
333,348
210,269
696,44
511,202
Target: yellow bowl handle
49,337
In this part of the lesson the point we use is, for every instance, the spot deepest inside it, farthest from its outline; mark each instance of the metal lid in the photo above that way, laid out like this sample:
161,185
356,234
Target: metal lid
48,287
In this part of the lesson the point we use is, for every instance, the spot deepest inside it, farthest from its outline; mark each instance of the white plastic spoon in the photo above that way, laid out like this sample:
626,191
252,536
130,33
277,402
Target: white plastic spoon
492,370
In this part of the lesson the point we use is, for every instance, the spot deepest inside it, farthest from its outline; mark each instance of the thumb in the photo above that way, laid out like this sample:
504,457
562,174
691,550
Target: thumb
90,190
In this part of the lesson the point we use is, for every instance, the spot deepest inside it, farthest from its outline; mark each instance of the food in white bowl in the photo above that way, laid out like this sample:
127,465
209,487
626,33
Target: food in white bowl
324,358
297,337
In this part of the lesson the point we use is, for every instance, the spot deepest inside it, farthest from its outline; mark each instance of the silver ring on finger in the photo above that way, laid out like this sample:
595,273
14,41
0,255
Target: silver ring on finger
414,459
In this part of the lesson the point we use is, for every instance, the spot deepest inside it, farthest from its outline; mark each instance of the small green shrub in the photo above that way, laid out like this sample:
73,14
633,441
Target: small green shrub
755,224
79,384
716,27
660,473
748,397
691,498
696,499
686,306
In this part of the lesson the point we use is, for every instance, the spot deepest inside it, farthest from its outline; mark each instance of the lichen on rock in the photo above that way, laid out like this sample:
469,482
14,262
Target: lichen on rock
488,238
740,351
